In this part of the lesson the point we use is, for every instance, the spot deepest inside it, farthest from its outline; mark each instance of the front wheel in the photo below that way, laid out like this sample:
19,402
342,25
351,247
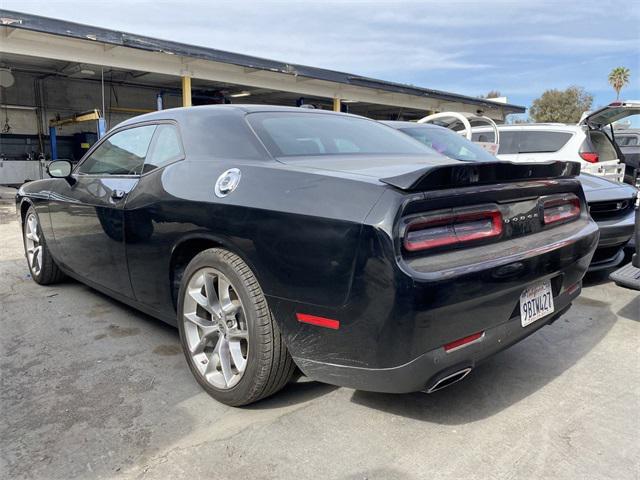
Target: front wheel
42,267
231,342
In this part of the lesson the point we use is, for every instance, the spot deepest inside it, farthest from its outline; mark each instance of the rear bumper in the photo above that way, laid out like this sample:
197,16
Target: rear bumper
422,372
394,326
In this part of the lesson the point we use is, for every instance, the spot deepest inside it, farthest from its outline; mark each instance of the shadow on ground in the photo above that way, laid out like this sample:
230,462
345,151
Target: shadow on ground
507,378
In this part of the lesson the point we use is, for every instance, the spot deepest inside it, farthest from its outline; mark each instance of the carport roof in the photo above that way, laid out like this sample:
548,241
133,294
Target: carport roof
64,28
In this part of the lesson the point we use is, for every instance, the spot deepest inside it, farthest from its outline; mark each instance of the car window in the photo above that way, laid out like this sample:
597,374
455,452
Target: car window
303,134
626,140
123,153
483,137
448,143
533,141
167,148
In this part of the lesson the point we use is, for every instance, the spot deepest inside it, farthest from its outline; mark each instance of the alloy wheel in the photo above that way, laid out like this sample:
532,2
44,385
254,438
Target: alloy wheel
33,244
215,328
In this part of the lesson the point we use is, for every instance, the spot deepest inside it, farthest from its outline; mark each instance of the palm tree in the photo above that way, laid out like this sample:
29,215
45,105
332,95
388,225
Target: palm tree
618,78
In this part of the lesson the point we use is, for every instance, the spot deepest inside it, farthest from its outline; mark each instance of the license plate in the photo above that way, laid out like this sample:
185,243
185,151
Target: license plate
536,302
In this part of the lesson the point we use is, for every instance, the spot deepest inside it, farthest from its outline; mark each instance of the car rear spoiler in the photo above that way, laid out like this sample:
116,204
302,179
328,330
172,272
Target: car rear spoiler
464,174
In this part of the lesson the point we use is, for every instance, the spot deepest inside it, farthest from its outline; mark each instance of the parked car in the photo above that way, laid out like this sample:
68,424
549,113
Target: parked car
628,142
585,142
611,204
282,237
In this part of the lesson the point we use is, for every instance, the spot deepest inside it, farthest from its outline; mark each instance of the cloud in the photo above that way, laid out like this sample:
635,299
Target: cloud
469,47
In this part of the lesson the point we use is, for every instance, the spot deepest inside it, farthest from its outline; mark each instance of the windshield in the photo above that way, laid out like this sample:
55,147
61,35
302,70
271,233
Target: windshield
449,143
288,134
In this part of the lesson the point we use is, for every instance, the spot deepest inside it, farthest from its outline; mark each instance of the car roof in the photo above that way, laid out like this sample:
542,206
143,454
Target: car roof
404,124
532,126
231,109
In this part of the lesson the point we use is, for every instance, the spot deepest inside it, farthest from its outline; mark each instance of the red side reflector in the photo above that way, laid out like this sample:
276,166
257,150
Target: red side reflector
463,342
573,288
318,321
590,157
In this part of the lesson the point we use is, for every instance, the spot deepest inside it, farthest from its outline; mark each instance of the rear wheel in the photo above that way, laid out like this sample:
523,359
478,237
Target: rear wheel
41,264
231,342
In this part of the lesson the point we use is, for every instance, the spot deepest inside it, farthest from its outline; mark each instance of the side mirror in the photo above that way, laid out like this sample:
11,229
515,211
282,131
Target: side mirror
59,169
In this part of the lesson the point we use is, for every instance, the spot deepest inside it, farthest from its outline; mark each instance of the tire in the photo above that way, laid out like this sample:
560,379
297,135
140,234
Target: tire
255,362
41,265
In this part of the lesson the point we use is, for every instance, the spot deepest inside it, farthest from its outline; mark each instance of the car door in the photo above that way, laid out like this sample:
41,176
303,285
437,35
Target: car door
87,210
151,223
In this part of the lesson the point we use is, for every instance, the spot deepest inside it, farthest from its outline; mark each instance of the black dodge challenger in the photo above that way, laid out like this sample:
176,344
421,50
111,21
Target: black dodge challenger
278,238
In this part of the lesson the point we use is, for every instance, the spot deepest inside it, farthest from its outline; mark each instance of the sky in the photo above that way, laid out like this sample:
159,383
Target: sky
520,48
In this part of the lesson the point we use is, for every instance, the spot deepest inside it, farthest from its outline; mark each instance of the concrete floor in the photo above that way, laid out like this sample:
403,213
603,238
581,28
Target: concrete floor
94,389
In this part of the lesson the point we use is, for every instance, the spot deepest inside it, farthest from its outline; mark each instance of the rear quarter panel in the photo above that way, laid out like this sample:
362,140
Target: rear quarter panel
297,230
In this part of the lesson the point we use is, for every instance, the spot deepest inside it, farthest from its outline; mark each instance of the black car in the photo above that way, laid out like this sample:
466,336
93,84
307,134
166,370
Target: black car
278,237
611,204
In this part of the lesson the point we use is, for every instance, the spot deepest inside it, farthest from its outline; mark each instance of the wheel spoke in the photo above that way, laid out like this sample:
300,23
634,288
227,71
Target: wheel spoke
200,346
33,228
36,260
236,354
230,307
238,334
204,324
225,360
200,299
212,296
38,255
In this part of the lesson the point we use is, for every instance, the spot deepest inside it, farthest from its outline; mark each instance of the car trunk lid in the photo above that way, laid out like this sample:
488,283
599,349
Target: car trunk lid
611,113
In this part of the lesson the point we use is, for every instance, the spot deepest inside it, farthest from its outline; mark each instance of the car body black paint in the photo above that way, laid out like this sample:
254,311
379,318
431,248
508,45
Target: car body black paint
616,225
321,236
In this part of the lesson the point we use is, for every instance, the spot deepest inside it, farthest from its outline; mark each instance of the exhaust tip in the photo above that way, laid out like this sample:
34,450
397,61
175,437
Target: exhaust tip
449,379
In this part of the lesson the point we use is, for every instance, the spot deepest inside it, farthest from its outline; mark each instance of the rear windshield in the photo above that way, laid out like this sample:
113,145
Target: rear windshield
626,140
288,134
448,143
541,141
525,141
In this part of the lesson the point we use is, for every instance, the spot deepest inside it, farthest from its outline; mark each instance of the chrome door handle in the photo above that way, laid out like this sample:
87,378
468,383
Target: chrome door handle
118,194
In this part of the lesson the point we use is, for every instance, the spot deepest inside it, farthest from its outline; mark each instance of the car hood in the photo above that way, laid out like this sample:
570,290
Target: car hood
376,166
597,189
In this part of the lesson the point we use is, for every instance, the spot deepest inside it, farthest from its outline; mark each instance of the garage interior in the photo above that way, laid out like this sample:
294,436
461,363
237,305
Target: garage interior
74,82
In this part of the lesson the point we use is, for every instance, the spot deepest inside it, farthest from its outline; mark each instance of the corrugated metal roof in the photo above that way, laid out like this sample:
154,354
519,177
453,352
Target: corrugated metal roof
86,32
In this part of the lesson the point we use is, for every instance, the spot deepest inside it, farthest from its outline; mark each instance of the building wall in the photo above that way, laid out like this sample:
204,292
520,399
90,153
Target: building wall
63,96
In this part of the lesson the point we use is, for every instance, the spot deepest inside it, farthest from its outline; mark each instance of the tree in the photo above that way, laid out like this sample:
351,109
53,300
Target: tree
618,78
491,94
564,106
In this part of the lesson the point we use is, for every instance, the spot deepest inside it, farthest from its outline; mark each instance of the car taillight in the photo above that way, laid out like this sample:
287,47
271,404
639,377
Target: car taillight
452,229
590,157
561,209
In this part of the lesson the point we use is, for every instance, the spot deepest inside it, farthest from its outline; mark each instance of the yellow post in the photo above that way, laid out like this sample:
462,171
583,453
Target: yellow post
336,104
186,91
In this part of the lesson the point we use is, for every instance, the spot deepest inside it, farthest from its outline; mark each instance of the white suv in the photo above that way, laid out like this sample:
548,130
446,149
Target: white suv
585,142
